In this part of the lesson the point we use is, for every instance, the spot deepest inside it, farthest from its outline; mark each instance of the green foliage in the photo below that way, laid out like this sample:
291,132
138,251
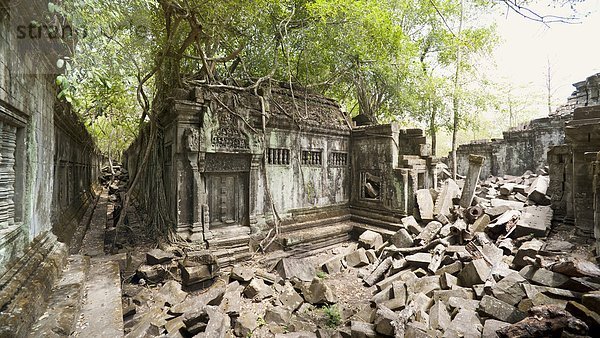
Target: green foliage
322,274
334,316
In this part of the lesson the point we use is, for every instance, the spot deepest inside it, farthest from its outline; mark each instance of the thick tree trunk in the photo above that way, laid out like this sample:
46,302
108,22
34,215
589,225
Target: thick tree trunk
455,98
432,129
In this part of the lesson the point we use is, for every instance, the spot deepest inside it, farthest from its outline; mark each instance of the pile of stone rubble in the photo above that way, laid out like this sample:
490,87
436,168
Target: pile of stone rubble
473,261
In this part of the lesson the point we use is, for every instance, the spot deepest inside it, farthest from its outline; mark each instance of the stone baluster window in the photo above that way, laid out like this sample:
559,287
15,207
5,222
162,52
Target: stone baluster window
277,156
312,157
8,145
337,159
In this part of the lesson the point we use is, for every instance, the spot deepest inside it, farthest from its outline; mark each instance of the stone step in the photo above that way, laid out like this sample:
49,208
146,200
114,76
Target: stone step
225,242
64,303
310,249
313,235
383,222
312,224
102,309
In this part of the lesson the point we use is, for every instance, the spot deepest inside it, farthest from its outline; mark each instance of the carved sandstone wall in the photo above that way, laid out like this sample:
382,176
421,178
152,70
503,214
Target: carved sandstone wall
46,161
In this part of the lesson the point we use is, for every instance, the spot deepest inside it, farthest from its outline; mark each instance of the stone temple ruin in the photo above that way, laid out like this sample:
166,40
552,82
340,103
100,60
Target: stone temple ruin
291,220
236,163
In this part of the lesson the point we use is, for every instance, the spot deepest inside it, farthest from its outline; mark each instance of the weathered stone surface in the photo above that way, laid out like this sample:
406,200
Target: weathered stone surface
212,296
242,273
534,220
151,273
466,323
558,246
445,295
278,315
591,318
468,192
245,323
195,320
319,293
370,240
451,268
158,256
592,301
515,205
195,274
257,289
480,224
401,239
420,259
289,298
425,203
509,289
500,310
549,278
411,225
357,258
443,204
537,190
475,272
429,232
218,323
496,211
448,281
332,265
425,285
232,299
462,303
363,330
527,249
439,317
170,293
297,334
491,326
384,320
289,268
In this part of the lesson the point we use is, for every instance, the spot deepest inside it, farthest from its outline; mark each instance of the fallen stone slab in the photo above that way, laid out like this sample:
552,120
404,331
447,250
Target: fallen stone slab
218,323
257,290
500,310
289,268
466,323
319,293
158,256
575,267
278,315
589,317
449,192
232,299
468,191
439,317
297,334
558,246
245,323
528,249
289,298
425,285
191,275
363,330
401,239
195,320
428,233
462,303
509,289
212,296
515,205
497,211
474,272
448,281
357,258
425,204
537,191
459,292
534,220
151,273
333,265
242,273
480,224
491,326
411,225
592,301
377,274
170,293
384,321
420,259
546,277
370,240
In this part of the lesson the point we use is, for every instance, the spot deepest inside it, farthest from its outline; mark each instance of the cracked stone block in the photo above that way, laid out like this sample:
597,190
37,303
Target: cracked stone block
439,317
242,273
500,310
278,315
474,272
491,326
401,239
257,289
289,268
357,258
384,320
527,249
191,275
509,289
289,298
420,259
370,240
363,330
158,256
466,323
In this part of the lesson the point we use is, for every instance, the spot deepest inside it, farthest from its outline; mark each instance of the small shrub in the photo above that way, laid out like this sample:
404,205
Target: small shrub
334,316
322,274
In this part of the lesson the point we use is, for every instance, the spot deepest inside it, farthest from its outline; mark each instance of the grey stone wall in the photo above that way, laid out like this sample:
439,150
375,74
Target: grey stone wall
47,165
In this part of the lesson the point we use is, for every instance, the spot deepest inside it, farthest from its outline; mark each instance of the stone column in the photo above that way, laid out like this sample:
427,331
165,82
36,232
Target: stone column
405,191
597,201
253,189
475,164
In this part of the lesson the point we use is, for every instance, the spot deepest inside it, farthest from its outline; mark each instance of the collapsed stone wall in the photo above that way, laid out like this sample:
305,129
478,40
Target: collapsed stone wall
47,163
525,147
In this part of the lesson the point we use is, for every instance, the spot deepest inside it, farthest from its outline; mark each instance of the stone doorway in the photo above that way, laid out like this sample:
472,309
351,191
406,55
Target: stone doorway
227,185
228,199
